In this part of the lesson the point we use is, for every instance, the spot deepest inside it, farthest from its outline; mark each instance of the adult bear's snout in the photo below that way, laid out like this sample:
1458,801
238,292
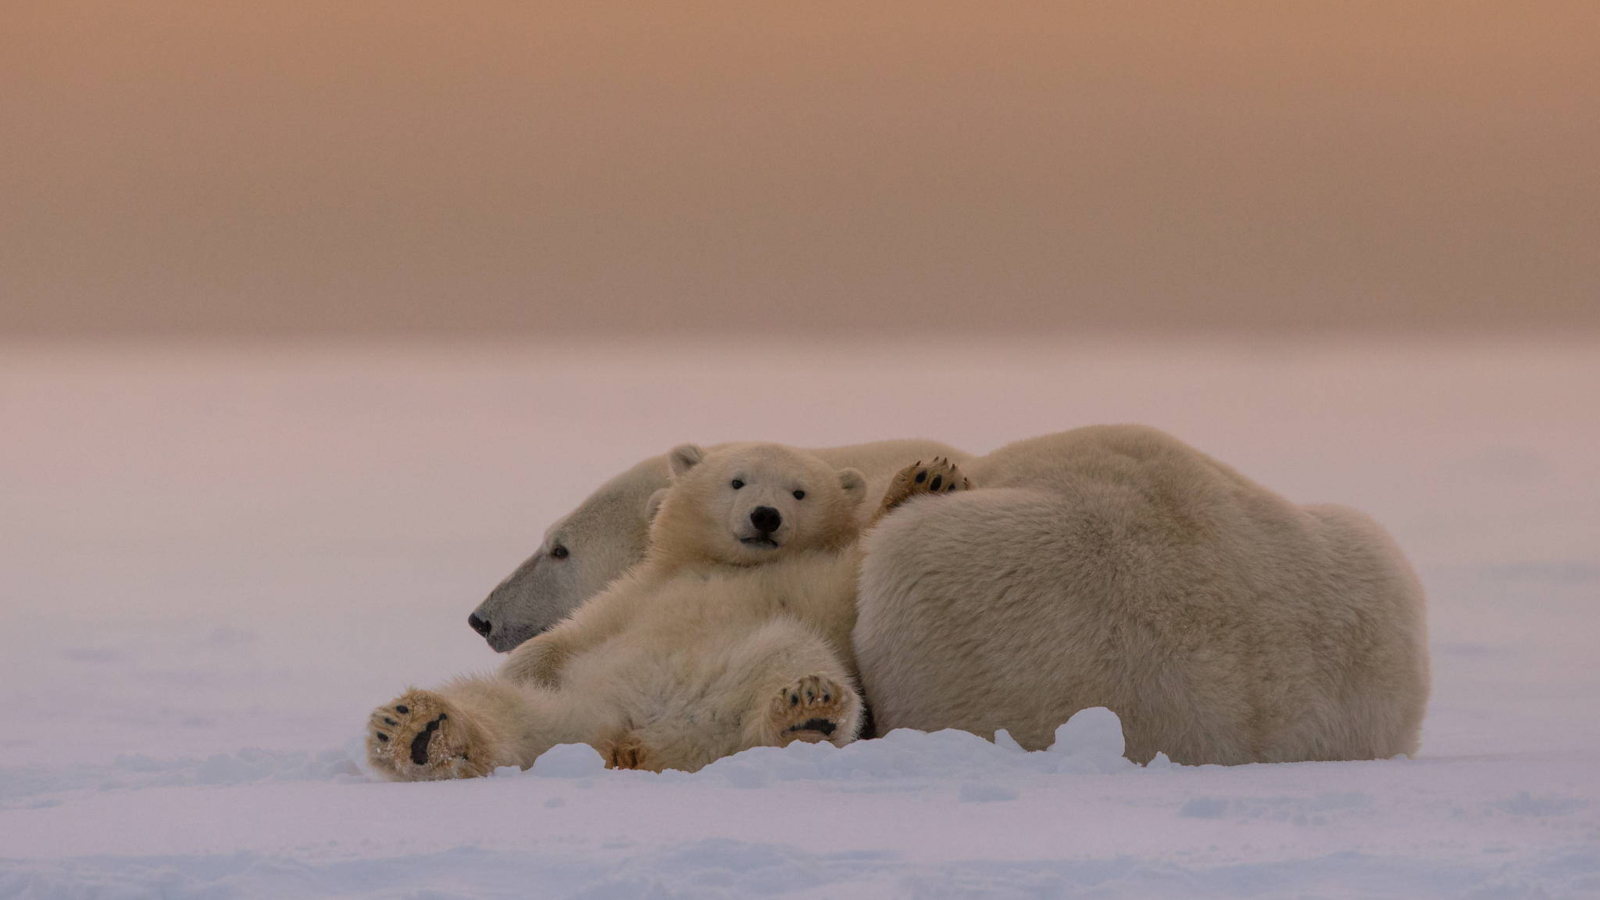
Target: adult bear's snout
481,626
766,519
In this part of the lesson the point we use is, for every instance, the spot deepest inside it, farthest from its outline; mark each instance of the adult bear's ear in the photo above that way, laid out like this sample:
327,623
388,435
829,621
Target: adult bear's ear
855,486
683,458
653,505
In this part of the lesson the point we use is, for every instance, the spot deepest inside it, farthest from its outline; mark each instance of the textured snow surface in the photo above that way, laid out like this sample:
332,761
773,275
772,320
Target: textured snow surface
216,560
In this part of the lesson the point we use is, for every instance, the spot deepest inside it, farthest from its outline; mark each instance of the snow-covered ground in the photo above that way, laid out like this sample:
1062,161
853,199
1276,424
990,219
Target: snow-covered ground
214,561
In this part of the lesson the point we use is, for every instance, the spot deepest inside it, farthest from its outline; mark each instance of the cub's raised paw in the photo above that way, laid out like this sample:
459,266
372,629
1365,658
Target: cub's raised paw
421,737
815,708
939,476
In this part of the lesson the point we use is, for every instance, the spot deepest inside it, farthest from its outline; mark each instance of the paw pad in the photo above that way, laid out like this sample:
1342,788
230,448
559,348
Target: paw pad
419,741
940,476
814,708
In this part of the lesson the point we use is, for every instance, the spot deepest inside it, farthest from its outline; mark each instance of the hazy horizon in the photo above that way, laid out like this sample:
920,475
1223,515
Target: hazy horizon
173,168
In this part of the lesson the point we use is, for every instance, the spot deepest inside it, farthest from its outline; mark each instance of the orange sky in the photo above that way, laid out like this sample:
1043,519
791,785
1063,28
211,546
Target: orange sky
223,167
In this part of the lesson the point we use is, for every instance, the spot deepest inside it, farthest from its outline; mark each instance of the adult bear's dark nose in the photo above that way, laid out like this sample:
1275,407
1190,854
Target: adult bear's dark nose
481,626
765,519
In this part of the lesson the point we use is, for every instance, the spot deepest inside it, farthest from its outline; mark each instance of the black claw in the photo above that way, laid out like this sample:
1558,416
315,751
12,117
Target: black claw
827,698
822,725
390,722
382,738
937,480
402,710
794,699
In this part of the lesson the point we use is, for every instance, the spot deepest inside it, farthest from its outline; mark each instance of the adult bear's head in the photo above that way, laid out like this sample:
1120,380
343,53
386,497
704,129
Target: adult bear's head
746,504
579,556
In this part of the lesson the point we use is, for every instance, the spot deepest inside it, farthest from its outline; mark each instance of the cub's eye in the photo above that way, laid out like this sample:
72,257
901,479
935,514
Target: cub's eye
799,495
559,552
737,484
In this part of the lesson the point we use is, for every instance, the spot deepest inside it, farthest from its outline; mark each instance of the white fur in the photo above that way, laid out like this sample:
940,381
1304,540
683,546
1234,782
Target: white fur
687,657
608,534
1115,566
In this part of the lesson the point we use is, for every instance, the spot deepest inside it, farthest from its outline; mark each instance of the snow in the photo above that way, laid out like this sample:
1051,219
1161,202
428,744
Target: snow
217,559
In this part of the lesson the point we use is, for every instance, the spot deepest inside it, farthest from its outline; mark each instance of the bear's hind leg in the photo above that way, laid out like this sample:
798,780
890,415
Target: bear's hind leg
472,726
421,736
814,708
774,685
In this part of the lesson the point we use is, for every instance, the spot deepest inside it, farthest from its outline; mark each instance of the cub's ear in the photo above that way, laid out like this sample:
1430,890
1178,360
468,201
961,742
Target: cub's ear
683,458
652,505
855,486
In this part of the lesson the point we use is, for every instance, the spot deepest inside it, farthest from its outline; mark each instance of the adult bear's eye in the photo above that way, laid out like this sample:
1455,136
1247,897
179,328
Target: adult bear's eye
799,495
737,484
559,552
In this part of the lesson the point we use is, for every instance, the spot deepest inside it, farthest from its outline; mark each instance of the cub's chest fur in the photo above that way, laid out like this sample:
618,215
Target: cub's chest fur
808,586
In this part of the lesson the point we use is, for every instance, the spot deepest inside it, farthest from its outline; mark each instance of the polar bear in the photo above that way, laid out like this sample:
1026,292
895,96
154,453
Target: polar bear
734,632
606,535
1116,566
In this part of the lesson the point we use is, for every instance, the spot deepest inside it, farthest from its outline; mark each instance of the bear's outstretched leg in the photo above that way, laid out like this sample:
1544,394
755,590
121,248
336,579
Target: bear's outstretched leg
814,708
940,476
421,736
472,726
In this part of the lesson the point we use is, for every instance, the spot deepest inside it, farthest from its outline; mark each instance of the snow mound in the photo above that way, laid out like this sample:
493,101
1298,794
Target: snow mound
569,761
1090,742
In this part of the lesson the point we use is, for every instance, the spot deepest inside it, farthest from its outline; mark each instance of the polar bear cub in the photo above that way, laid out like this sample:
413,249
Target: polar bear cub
733,633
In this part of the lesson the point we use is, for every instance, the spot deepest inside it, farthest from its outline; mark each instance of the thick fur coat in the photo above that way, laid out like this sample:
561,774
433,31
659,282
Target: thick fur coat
1116,566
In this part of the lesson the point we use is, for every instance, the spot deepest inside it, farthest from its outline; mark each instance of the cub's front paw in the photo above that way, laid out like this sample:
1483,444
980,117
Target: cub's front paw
940,476
537,661
421,737
815,708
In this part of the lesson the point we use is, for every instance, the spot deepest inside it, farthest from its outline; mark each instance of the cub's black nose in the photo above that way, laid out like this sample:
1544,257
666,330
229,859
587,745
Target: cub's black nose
765,519
481,626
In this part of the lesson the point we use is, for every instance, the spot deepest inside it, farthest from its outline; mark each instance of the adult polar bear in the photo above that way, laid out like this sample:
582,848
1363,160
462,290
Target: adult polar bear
1116,566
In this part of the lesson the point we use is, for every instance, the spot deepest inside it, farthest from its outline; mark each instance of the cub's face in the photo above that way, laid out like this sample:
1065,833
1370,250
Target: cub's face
752,503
